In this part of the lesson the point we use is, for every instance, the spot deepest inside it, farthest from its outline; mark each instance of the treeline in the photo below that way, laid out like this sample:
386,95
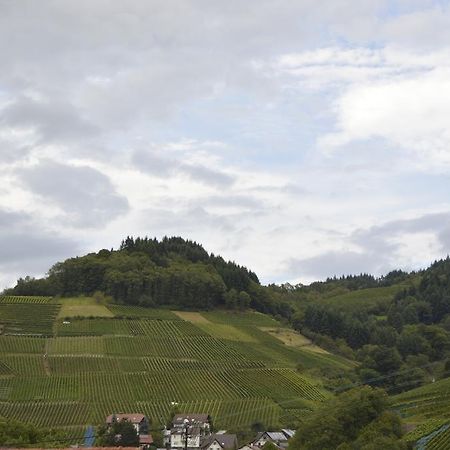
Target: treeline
339,285
173,273
399,344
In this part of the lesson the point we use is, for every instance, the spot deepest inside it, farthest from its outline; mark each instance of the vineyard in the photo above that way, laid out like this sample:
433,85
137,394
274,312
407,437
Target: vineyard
441,441
428,406
60,366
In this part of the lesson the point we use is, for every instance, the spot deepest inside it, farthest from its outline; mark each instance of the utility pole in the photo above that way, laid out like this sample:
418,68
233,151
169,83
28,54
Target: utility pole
186,434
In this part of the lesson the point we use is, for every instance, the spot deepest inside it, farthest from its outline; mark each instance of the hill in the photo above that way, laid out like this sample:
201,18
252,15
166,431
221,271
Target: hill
161,324
173,272
70,362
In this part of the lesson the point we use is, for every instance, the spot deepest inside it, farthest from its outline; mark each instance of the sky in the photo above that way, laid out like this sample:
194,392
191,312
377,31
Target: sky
303,139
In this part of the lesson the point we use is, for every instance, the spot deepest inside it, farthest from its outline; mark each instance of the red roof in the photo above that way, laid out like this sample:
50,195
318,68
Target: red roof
146,439
133,417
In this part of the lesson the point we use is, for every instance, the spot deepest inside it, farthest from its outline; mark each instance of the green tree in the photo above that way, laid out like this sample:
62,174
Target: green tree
341,421
118,434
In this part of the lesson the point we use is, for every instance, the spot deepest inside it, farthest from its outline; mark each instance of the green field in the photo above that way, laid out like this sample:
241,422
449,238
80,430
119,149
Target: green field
363,299
71,364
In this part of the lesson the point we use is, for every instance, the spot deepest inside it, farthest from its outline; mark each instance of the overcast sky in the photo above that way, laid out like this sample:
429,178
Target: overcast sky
300,138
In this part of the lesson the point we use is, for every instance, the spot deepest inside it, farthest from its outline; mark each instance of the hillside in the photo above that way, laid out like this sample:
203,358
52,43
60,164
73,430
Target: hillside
161,325
70,362
428,408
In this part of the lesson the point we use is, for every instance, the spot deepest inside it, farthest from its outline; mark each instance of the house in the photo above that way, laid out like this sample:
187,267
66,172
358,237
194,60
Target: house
288,432
279,438
188,431
249,447
220,441
139,421
145,440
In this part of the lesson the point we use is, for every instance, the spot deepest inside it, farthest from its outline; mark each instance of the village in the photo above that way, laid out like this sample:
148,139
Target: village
195,432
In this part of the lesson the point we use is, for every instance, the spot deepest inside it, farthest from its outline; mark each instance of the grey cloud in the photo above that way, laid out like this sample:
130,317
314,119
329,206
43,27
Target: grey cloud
149,162
377,253
377,237
140,60
153,163
187,221
233,200
55,120
86,195
206,175
335,263
28,249
289,188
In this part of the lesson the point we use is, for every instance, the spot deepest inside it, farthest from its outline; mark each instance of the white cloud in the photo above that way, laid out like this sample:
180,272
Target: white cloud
410,113
206,119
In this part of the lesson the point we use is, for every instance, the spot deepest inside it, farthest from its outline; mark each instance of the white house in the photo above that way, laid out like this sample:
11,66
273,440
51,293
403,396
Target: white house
188,430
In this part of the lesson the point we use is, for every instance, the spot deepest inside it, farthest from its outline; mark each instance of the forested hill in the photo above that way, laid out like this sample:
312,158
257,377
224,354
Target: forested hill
173,272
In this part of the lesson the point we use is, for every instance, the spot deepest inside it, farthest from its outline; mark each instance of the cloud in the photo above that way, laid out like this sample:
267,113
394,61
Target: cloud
154,163
396,94
408,113
28,248
407,243
86,196
266,130
52,120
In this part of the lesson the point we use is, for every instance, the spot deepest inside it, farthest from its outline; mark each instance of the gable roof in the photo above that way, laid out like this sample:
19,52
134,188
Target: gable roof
226,441
146,439
288,432
133,417
274,436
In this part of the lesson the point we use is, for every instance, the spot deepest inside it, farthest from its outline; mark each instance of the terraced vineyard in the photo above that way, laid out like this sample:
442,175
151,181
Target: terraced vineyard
428,406
441,441
68,372
28,318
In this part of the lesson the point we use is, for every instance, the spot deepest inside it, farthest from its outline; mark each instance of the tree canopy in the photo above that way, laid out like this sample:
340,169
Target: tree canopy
357,419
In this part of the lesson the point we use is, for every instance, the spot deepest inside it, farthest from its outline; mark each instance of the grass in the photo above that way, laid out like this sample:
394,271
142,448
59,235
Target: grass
142,313
246,318
83,307
293,339
223,331
193,317
363,298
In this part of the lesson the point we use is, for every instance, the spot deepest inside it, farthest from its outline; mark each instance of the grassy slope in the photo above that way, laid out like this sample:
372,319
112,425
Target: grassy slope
363,298
220,362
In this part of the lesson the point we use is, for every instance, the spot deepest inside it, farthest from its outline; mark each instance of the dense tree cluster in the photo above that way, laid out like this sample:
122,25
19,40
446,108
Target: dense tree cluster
119,434
18,434
399,344
173,273
357,419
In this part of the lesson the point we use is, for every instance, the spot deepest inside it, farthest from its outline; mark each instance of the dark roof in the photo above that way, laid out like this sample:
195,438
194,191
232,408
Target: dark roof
132,417
274,436
226,441
179,418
